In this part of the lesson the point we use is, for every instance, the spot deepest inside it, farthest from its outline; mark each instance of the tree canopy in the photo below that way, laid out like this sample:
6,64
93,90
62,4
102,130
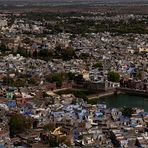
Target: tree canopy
98,65
3,48
113,76
64,53
18,124
84,56
55,77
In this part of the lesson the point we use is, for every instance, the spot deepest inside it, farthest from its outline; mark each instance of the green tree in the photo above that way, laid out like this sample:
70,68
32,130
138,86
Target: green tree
58,51
81,94
49,127
56,77
71,76
64,53
84,56
33,80
8,81
3,48
113,76
98,65
69,53
140,75
19,82
43,54
23,52
18,124
35,54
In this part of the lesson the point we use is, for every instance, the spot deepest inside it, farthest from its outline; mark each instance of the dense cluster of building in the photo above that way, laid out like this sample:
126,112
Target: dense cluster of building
66,116
66,120
127,52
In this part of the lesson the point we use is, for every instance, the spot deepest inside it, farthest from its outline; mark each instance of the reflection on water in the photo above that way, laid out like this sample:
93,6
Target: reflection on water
124,100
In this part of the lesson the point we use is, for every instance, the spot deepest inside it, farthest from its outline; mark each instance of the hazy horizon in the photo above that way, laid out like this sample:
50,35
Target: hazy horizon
101,1
90,3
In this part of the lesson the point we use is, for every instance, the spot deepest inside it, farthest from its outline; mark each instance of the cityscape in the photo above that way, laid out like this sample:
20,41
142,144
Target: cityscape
73,73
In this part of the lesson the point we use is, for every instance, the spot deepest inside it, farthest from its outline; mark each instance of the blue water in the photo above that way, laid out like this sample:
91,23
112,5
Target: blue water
122,100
